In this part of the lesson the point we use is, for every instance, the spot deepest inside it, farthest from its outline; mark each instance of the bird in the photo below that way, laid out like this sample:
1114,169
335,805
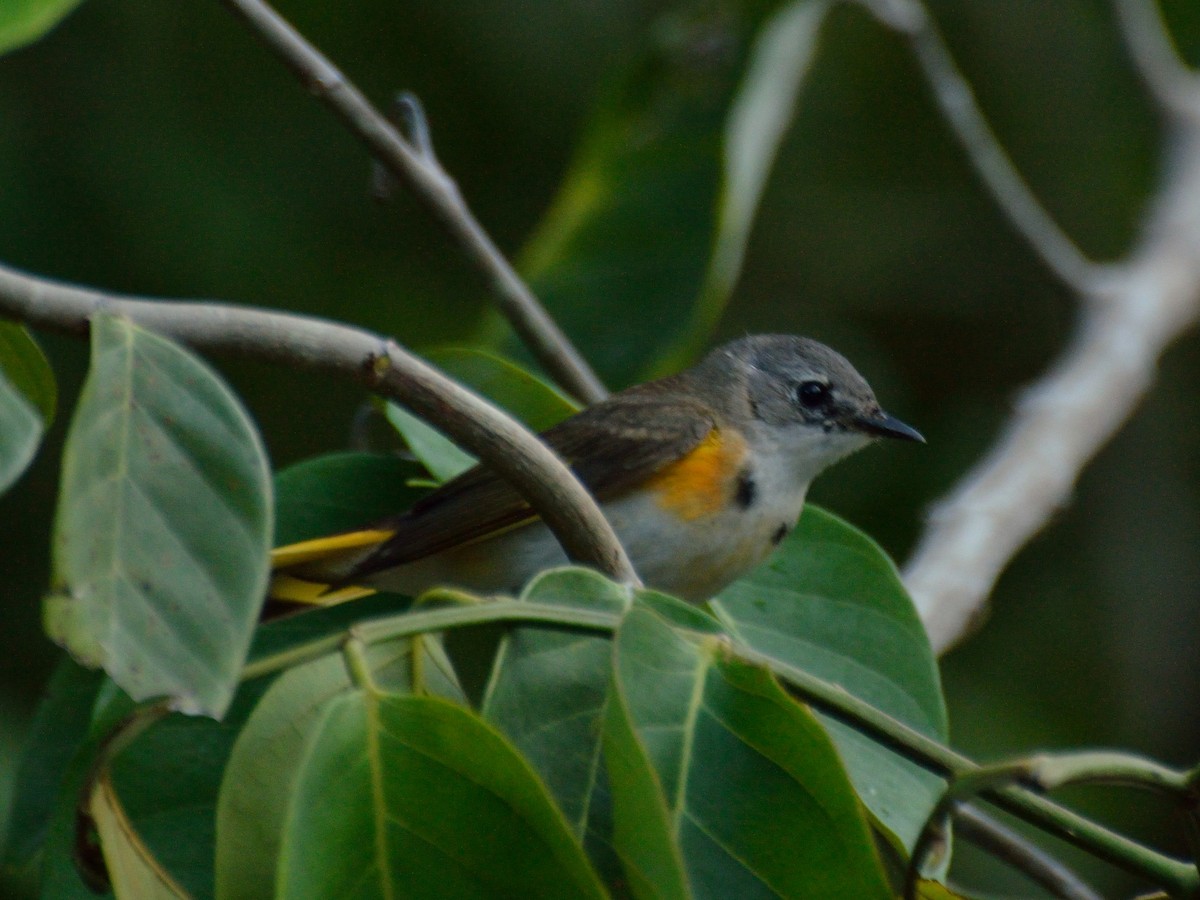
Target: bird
702,474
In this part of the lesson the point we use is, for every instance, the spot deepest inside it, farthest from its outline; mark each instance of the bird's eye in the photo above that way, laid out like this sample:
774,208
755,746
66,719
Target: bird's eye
812,394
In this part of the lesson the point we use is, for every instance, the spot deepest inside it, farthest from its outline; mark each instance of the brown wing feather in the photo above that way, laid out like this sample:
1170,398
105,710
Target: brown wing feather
612,447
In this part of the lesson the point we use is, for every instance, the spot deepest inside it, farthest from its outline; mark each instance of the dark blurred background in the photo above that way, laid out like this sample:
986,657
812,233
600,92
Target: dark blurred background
157,149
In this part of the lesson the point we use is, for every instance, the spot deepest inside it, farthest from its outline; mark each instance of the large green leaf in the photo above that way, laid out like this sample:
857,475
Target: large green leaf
756,797
131,866
27,369
167,781
642,836
59,729
24,21
431,802
339,492
831,602
27,398
644,243
58,865
163,524
548,690
266,759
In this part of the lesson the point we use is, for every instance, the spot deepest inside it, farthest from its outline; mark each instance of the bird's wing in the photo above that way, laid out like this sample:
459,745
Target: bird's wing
612,447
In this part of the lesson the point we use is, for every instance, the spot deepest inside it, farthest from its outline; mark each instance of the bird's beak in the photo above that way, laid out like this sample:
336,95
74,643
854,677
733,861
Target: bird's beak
883,425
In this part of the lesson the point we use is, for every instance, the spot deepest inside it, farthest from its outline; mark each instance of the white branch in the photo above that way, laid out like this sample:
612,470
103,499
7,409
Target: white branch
1066,417
1130,312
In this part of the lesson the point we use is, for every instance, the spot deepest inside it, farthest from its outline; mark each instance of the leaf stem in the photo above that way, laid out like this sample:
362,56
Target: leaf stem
408,624
354,652
931,755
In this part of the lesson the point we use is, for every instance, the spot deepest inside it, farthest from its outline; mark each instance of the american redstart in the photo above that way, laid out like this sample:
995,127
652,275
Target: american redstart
701,474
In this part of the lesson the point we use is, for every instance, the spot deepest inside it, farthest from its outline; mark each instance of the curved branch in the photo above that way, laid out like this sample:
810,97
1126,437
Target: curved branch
379,363
1173,84
434,188
985,832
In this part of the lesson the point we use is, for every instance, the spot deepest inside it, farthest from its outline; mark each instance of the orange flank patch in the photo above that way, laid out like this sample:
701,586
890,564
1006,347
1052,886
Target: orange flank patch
700,483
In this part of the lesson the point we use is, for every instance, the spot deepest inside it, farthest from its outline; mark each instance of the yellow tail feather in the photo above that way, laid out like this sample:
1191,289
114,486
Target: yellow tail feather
320,549
310,555
289,589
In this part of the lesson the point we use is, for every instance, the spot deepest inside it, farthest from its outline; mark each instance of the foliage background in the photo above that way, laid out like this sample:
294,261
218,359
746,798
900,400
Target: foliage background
158,150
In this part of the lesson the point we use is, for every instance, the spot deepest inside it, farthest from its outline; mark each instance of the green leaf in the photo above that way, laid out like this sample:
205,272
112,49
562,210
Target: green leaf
643,836
163,525
339,492
431,802
167,782
25,366
756,797
131,866
645,240
831,602
59,874
26,401
59,729
523,395
436,452
263,768
548,690
20,432
24,21
527,397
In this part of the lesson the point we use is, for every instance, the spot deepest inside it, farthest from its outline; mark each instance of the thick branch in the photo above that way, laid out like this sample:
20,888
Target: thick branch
370,359
434,188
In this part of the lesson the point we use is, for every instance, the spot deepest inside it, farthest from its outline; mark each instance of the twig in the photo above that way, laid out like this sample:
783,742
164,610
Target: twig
434,188
1131,311
985,832
300,341
956,100
931,755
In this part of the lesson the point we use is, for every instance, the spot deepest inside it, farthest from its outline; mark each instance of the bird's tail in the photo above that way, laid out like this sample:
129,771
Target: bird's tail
313,573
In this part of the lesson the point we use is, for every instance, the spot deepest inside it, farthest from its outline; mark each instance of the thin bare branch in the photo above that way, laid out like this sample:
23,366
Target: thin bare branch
957,102
1173,84
378,362
987,833
434,188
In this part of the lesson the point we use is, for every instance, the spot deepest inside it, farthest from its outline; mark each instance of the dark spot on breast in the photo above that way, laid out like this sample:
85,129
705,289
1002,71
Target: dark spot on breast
746,489
780,533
